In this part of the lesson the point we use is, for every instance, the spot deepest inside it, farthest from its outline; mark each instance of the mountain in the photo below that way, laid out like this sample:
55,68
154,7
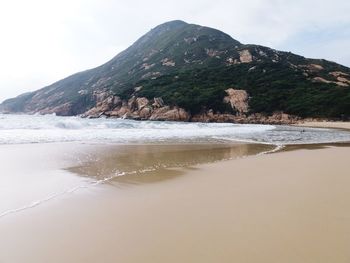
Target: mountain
181,71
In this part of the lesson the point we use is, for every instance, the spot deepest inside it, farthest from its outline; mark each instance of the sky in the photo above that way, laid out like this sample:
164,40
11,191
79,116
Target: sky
43,41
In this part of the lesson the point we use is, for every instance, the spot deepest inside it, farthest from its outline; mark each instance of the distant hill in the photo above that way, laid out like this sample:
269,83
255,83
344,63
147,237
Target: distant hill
181,71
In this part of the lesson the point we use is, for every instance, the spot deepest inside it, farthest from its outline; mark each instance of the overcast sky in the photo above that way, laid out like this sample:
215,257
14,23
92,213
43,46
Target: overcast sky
45,40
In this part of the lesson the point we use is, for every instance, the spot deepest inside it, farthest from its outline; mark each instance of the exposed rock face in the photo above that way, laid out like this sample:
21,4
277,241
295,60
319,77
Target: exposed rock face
100,96
141,108
245,56
342,78
336,77
170,114
340,81
232,61
342,84
158,102
213,53
138,109
311,68
145,109
315,67
319,79
339,74
141,103
257,118
238,100
213,117
145,113
168,62
276,118
104,102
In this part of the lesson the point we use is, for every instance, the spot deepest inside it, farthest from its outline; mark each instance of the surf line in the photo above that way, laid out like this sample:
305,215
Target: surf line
70,191
278,147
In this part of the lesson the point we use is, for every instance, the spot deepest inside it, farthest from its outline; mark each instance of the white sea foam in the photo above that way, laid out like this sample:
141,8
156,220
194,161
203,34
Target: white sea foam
19,129
274,150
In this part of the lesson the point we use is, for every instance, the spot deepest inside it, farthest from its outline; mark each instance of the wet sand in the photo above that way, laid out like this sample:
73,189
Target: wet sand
291,206
33,174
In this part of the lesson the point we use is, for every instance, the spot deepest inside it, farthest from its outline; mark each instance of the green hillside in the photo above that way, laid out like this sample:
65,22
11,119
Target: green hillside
191,66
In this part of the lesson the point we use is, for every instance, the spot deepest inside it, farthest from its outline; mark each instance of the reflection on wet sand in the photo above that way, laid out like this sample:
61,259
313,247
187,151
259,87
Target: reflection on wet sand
152,163
314,146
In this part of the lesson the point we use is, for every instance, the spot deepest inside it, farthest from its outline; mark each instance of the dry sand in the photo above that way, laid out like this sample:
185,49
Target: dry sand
326,124
287,207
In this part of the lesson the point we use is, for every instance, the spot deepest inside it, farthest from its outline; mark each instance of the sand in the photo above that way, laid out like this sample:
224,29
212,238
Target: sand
291,206
326,124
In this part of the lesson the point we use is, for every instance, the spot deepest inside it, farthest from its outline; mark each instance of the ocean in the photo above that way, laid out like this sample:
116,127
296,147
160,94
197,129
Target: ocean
26,129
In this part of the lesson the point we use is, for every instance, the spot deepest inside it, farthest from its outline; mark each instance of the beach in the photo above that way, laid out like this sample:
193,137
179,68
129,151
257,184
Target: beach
167,132
326,124
289,206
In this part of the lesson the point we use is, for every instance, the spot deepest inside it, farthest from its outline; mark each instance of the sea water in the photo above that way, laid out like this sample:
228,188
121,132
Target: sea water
24,129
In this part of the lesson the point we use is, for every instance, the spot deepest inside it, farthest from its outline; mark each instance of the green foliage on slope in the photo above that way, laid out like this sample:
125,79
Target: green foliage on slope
272,87
191,66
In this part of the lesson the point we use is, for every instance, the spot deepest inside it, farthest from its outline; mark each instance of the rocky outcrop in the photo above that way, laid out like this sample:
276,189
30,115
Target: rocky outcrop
319,79
170,114
275,118
278,118
238,99
315,67
168,62
213,53
339,74
336,77
141,108
210,116
137,109
104,102
158,102
311,68
340,81
245,56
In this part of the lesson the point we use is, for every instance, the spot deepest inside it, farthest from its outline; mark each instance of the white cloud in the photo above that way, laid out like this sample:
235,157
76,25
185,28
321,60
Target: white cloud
43,41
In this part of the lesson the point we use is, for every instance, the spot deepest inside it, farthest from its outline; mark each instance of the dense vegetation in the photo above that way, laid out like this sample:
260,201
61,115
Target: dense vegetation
272,87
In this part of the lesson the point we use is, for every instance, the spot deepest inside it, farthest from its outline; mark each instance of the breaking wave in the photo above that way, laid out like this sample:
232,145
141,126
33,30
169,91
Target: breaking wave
21,129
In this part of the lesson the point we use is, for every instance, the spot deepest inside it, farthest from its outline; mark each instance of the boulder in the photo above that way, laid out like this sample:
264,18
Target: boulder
145,113
170,114
142,103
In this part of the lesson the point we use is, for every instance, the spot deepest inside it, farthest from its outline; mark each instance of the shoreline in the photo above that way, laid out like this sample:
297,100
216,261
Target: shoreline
325,124
280,119
290,205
